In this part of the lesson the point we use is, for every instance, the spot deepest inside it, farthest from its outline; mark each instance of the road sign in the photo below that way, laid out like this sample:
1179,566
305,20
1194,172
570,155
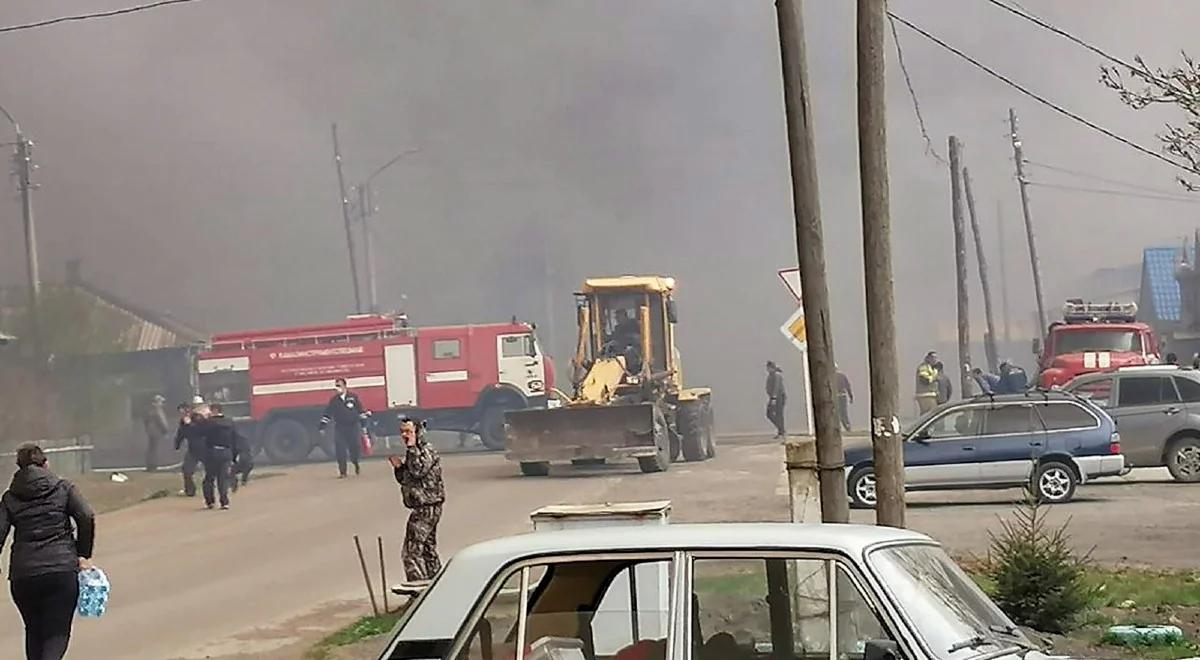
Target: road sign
794,329
791,279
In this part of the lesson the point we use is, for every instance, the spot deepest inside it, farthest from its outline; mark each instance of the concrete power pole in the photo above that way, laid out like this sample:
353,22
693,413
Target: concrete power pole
365,211
1023,183
989,339
877,262
810,249
24,166
337,159
960,264
1003,272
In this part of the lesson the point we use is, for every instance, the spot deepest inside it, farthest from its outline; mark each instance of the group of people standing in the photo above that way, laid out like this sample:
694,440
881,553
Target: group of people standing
777,398
211,439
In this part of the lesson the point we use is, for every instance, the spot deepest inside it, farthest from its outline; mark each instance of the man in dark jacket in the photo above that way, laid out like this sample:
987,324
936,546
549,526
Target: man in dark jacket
349,418
154,420
776,399
188,437
46,555
945,388
419,473
220,438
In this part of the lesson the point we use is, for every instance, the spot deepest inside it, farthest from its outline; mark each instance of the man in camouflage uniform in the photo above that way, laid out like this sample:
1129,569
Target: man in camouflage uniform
419,473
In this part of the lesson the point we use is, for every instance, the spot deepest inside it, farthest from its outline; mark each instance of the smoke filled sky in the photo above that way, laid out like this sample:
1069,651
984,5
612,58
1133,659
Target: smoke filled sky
185,156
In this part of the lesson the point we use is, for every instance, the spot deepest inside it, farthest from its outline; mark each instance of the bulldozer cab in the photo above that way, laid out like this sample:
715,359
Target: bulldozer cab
631,318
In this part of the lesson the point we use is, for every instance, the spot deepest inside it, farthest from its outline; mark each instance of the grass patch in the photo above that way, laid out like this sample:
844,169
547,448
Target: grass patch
1152,589
364,628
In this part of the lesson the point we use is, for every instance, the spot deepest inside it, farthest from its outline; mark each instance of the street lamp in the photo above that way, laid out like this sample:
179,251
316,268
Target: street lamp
366,209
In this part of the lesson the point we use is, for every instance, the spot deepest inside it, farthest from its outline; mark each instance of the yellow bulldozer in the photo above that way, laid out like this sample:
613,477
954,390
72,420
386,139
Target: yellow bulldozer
629,399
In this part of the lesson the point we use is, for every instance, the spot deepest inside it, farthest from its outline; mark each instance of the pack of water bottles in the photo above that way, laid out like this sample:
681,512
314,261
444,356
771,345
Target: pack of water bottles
93,592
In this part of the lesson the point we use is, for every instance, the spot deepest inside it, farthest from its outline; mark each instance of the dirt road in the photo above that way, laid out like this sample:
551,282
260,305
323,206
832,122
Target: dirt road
275,571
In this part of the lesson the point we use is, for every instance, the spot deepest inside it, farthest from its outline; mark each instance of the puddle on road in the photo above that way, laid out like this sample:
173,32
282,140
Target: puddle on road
282,641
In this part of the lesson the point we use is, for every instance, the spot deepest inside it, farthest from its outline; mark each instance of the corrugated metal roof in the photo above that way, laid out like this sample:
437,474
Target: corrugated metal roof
1159,266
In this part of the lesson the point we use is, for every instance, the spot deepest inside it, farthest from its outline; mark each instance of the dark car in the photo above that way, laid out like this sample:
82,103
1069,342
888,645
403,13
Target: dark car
1050,441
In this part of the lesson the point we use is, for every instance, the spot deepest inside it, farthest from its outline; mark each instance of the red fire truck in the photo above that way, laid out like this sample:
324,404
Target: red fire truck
1094,337
458,378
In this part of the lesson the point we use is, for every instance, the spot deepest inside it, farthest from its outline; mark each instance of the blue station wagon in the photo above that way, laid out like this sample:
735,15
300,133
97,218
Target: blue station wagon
1049,441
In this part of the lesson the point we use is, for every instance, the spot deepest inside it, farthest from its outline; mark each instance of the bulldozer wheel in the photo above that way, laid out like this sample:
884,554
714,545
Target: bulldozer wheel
535,468
691,418
661,460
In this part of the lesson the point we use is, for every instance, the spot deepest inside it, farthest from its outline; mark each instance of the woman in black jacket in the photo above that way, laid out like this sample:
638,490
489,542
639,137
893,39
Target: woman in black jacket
47,554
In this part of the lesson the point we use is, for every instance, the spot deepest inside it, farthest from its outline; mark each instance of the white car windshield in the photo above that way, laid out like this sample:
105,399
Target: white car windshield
951,615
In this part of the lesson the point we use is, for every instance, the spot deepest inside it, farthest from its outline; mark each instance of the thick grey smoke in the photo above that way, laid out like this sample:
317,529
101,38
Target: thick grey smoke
185,156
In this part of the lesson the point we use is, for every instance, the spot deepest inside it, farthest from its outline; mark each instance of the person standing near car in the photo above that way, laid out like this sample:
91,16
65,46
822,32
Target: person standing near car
845,396
927,383
419,472
349,418
945,388
47,555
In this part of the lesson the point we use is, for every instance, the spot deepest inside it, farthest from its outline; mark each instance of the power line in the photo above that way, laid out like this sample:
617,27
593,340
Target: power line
1115,182
84,17
1115,193
1040,99
912,93
1025,14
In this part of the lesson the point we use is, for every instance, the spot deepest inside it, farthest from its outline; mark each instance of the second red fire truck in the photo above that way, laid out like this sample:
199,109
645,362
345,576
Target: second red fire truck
459,378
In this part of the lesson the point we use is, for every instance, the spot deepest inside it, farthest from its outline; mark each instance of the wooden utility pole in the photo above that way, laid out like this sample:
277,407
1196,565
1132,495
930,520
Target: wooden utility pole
989,339
337,160
960,264
877,266
810,251
1003,272
1023,184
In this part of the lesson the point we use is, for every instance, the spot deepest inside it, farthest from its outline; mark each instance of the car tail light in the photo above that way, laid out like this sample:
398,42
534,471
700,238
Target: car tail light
1114,443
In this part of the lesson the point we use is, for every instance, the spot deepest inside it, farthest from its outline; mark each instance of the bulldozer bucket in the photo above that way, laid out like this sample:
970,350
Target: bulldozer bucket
581,432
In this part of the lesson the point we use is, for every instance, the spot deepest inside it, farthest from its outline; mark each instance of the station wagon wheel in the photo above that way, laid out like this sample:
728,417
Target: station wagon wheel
1183,459
1055,482
862,488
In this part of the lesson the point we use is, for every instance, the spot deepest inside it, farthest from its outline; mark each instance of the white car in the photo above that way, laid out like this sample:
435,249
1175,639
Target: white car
718,591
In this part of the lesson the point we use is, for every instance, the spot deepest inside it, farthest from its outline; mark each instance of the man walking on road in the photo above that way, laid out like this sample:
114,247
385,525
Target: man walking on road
845,397
419,473
187,436
776,399
349,418
221,439
927,383
154,420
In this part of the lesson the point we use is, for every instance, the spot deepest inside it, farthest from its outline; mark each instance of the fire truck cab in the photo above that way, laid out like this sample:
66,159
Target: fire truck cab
1094,337
458,378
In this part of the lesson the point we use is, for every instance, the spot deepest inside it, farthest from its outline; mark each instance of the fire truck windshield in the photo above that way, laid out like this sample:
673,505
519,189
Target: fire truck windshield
1082,341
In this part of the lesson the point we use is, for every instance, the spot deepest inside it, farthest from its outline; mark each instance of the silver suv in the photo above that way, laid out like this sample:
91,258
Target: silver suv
1157,411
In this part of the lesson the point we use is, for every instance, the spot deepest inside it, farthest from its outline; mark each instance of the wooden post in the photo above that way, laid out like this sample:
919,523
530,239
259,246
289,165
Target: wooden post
989,339
366,576
877,265
810,249
1023,184
960,264
383,576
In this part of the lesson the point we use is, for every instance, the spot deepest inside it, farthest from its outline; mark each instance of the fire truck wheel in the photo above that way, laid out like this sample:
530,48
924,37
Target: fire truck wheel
691,429
287,441
491,427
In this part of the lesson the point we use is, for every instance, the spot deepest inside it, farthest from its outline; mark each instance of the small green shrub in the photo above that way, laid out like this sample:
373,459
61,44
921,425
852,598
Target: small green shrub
1035,576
